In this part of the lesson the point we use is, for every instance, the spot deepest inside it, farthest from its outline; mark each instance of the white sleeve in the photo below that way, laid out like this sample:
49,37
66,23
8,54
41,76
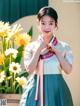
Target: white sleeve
31,55
68,55
27,55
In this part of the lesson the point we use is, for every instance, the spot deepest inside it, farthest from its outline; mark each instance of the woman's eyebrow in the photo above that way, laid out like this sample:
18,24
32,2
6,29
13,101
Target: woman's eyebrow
49,21
52,21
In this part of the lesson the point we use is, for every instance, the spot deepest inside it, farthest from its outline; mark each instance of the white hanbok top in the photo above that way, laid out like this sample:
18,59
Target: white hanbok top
51,65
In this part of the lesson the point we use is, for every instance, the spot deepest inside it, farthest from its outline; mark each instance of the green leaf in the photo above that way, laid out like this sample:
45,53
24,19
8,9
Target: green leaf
19,89
2,89
31,31
20,54
23,73
8,90
4,44
5,89
7,61
7,71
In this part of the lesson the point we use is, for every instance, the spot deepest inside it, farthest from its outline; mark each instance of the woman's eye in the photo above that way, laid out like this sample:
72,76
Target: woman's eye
51,23
43,23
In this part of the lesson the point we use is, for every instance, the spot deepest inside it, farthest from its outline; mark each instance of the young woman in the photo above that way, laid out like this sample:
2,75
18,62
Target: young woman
45,59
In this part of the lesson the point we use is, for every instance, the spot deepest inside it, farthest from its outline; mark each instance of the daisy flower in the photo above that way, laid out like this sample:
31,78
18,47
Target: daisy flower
15,67
2,76
4,28
22,39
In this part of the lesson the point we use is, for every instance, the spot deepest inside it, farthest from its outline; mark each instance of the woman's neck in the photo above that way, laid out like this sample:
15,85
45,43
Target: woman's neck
49,38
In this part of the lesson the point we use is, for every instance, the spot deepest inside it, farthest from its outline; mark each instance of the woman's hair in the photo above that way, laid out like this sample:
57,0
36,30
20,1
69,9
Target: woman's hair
48,11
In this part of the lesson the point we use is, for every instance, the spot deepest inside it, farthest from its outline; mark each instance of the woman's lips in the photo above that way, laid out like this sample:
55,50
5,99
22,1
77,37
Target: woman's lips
46,31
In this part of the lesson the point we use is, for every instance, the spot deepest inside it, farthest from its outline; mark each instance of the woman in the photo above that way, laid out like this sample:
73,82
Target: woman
45,59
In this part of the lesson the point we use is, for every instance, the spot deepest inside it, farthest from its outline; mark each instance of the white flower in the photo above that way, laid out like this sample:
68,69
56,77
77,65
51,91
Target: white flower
15,67
2,76
11,51
22,81
15,29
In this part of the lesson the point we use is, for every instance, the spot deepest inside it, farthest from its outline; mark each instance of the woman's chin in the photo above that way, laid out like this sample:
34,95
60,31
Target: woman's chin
48,34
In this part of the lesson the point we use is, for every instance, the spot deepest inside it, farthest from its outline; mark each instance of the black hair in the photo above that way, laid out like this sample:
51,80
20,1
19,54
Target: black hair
48,11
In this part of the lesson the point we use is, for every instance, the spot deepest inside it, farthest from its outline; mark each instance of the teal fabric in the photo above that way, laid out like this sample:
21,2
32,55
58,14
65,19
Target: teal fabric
12,10
56,92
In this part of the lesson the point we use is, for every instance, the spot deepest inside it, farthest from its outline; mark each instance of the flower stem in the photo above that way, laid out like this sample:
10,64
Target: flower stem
2,50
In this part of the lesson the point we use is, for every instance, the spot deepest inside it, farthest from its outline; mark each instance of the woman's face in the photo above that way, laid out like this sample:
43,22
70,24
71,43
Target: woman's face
47,25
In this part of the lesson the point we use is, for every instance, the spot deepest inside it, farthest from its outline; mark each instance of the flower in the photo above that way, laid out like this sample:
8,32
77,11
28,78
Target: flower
2,76
14,31
22,39
22,81
1,59
4,28
11,51
15,67
12,43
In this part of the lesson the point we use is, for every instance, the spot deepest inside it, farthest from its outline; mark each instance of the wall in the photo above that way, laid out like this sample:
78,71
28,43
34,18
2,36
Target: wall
69,31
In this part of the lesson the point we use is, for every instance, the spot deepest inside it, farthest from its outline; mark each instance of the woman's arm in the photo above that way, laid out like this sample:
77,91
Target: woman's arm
34,59
65,65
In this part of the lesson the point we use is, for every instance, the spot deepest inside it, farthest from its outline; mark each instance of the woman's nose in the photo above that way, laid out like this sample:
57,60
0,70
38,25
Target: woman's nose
47,27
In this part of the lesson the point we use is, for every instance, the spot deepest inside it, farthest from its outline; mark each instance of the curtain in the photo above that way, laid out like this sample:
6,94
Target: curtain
12,10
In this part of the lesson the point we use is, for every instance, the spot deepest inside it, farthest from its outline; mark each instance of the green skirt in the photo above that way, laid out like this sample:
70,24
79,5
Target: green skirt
56,92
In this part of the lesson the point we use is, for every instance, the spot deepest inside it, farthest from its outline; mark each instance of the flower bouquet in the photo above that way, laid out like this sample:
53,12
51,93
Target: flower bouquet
12,42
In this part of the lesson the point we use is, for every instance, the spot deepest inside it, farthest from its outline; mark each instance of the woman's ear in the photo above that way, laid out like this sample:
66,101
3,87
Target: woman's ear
56,25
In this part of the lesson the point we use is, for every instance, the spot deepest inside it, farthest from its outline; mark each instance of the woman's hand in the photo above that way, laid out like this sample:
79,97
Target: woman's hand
63,63
51,48
41,43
